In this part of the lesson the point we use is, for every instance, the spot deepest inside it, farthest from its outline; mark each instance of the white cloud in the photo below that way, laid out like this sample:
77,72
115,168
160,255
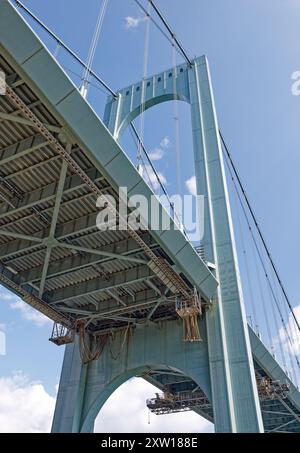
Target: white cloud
25,407
292,332
5,295
191,185
165,143
29,314
126,411
133,22
151,178
158,153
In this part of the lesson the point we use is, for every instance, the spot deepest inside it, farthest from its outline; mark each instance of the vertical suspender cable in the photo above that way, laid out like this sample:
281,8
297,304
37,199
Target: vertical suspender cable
176,121
243,244
263,300
87,70
143,96
287,340
277,329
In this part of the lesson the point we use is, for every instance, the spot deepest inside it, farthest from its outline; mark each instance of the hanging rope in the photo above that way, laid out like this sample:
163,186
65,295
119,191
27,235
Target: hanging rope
189,310
87,343
87,71
125,339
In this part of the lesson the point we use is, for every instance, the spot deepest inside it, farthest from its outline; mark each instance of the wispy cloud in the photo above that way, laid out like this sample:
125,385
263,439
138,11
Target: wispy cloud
133,22
158,153
29,314
151,178
5,295
191,185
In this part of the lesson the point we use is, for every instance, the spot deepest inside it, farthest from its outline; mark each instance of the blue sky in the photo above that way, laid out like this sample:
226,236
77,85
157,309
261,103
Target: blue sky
253,49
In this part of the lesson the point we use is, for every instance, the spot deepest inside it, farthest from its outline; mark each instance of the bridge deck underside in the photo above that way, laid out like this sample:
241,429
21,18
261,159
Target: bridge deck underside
50,244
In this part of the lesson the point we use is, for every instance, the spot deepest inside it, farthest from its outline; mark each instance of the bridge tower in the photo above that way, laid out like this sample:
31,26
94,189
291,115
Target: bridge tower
221,365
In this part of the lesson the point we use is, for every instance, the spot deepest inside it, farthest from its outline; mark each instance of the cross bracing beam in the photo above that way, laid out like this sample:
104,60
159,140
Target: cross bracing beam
155,308
276,413
133,307
59,194
21,148
116,297
133,275
74,263
95,315
47,211
19,119
102,253
287,406
14,80
50,242
25,237
281,426
64,230
47,193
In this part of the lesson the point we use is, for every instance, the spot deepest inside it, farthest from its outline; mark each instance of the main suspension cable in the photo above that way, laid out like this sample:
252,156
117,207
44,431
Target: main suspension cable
172,34
158,26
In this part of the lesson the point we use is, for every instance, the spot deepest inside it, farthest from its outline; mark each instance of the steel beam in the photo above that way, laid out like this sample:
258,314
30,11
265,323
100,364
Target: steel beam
47,193
74,263
97,285
64,230
25,237
102,253
281,426
50,244
21,148
116,297
20,120
144,305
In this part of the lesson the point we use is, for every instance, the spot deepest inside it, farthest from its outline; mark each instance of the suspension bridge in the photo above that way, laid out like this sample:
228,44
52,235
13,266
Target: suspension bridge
135,302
